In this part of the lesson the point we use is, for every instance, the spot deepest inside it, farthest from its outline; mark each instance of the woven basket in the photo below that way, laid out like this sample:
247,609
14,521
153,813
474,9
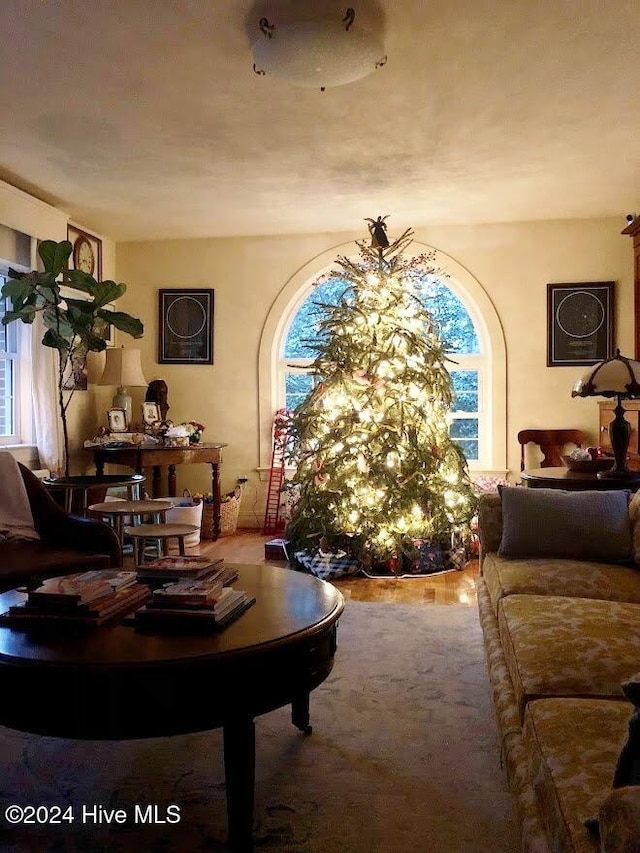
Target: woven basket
229,511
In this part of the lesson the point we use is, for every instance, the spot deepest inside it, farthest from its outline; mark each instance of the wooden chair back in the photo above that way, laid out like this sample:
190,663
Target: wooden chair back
551,442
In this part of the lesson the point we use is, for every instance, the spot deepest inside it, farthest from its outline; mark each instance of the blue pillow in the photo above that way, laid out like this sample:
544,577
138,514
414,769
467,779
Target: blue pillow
587,525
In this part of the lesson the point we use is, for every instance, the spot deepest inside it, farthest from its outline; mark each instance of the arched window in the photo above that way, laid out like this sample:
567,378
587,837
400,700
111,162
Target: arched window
467,324
455,327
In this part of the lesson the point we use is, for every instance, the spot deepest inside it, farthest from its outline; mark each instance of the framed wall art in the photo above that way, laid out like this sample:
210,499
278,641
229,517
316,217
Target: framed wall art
185,326
87,252
579,323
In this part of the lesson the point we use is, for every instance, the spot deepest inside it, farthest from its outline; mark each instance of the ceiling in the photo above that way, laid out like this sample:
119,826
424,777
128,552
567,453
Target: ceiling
144,120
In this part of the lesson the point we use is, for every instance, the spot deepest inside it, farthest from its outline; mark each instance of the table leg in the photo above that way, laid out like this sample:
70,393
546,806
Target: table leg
98,461
172,481
300,713
156,481
239,771
215,491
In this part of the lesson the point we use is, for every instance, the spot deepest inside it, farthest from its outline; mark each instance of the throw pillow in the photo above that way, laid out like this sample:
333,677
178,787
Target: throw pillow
587,525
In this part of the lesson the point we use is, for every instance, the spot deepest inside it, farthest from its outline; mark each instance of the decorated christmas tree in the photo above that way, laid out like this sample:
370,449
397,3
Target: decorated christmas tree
377,474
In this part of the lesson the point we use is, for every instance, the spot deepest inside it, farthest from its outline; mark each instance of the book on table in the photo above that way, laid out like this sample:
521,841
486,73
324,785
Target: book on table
92,611
174,568
194,593
212,617
80,587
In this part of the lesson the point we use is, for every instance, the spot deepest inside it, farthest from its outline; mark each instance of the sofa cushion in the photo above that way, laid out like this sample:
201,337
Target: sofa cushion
634,516
550,576
572,746
587,525
555,646
619,820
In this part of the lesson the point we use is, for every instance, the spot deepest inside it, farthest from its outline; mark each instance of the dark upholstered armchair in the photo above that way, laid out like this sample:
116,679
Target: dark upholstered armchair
67,543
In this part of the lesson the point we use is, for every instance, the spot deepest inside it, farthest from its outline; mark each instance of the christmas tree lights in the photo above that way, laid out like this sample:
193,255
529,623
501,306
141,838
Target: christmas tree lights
376,470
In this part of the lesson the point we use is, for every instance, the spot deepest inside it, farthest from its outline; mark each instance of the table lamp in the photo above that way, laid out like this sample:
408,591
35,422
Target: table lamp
616,377
122,368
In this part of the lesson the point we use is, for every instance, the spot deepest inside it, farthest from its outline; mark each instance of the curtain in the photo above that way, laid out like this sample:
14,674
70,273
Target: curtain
47,422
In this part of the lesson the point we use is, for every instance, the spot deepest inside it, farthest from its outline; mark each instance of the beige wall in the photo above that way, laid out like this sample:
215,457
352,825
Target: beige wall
513,263
21,212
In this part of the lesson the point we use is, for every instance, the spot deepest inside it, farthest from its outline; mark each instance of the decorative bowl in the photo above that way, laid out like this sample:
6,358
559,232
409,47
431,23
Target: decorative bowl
588,466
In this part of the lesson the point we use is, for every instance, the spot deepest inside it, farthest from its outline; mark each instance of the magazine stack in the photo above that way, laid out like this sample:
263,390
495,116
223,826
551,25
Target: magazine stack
205,603
175,568
85,598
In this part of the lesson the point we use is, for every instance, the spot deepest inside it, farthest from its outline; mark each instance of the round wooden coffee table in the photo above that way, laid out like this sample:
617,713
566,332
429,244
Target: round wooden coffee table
116,682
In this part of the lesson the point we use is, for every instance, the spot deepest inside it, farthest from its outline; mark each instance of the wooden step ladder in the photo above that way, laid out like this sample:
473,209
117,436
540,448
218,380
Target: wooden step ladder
272,521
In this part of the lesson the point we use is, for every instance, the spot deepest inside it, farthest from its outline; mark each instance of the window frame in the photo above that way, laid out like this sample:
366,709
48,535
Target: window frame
22,434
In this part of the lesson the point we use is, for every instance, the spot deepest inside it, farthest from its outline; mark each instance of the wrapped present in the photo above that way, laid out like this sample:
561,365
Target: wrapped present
328,564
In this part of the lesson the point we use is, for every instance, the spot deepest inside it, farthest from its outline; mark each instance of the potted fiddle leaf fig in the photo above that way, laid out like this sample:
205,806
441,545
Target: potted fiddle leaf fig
72,324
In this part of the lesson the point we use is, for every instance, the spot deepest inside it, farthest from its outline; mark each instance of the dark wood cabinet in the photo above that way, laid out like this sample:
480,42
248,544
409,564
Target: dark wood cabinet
632,415
633,230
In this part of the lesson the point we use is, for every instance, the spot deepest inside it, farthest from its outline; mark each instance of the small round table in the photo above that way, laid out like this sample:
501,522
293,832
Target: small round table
572,481
84,484
117,511
141,532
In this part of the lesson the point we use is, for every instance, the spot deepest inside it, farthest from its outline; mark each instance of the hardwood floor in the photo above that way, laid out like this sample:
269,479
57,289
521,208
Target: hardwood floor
456,587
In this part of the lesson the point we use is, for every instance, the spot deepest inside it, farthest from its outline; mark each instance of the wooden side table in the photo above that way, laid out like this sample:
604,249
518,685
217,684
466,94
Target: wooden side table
572,481
139,457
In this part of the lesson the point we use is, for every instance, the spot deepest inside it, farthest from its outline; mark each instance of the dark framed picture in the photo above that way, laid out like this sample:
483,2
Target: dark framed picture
87,252
186,326
579,323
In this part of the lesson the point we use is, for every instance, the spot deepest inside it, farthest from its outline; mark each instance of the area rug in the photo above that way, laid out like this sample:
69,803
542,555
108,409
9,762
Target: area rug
404,756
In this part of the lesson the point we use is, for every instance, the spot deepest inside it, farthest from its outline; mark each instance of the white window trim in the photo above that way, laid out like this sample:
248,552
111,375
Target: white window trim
492,451
23,413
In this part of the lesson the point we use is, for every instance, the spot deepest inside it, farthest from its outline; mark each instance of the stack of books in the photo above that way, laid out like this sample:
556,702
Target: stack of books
175,568
85,598
205,603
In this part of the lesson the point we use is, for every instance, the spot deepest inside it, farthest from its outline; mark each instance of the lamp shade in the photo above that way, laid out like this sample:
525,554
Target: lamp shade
122,368
616,377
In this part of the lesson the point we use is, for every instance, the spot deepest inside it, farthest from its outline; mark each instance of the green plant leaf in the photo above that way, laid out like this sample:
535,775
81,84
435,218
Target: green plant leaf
55,256
108,291
17,289
58,321
55,341
94,342
124,322
80,280
25,314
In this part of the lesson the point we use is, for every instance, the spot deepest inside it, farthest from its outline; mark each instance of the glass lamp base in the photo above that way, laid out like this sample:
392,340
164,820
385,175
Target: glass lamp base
122,400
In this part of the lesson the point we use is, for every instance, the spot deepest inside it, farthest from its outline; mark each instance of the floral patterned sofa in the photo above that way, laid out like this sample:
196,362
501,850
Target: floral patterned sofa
559,600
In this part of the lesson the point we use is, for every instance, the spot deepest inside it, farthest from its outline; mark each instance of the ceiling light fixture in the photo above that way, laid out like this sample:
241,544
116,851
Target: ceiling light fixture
317,53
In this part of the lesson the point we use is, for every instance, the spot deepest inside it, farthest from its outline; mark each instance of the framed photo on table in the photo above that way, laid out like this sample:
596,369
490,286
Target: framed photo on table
186,326
579,323
117,420
87,252
150,413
